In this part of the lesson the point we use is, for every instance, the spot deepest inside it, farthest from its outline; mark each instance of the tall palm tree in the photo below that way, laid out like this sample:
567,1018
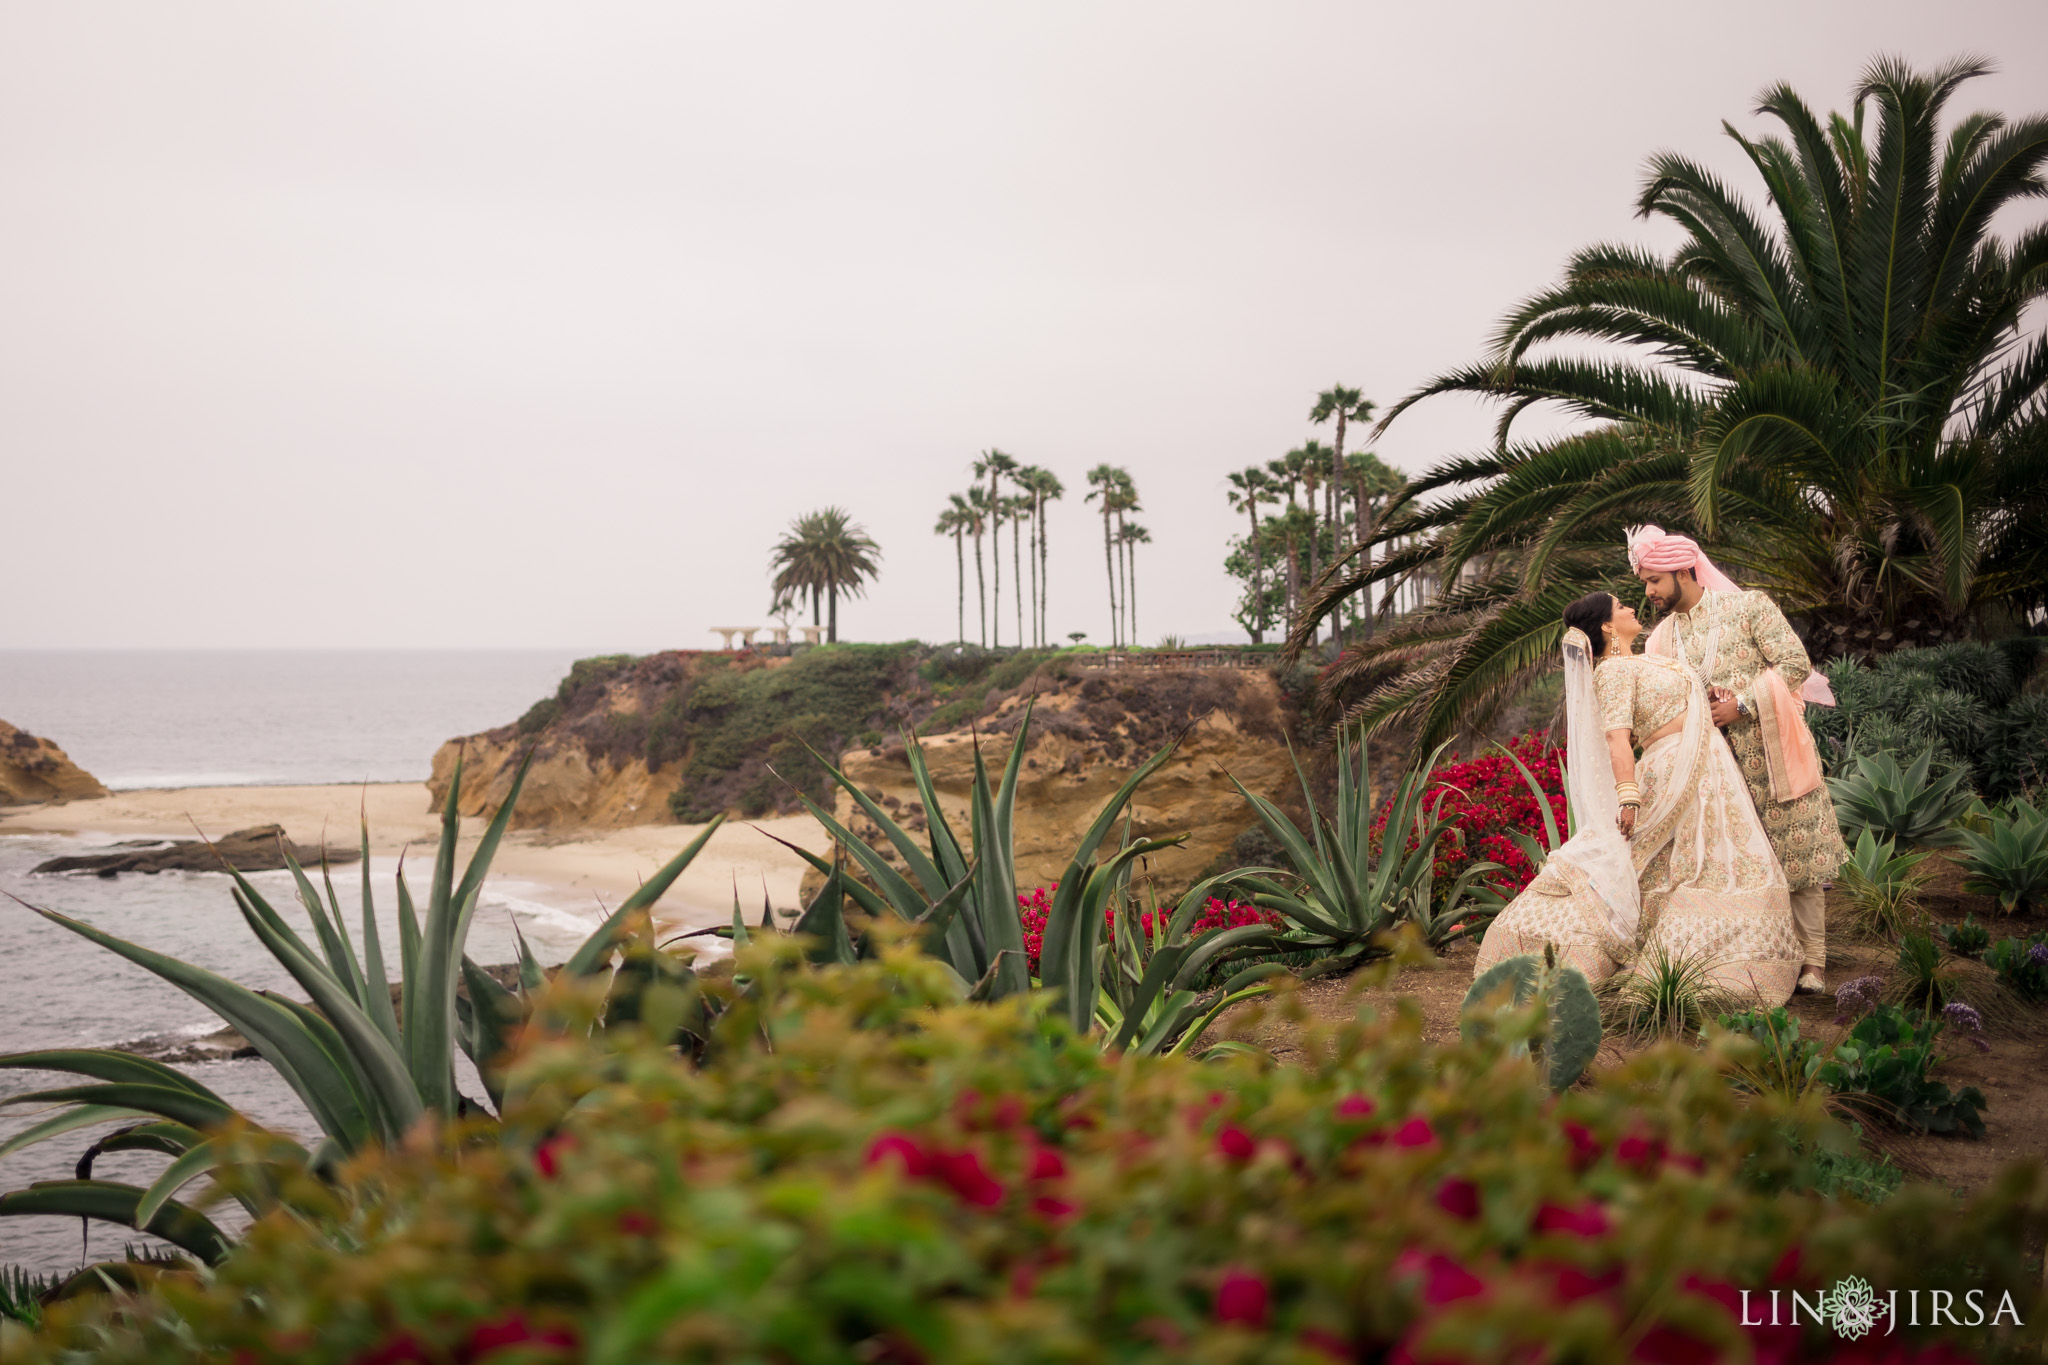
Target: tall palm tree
1043,486
976,500
1343,406
1372,485
1130,536
1286,472
825,553
1249,487
1018,510
1106,482
954,522
995,466
1842,394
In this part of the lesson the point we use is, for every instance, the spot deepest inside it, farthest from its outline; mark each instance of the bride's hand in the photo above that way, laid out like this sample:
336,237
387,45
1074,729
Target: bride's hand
1626,822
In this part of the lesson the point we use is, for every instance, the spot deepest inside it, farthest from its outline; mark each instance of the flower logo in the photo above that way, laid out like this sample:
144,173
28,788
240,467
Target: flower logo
1851,1307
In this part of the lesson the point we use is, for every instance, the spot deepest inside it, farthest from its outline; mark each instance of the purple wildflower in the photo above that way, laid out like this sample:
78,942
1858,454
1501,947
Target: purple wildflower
1962,1016
1852,995
2038,955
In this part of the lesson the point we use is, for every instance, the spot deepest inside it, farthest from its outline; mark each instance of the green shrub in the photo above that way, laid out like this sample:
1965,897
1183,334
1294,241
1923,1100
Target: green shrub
1968,939
1882,884
1881,1068
2009,859
869,1172
1907,804
2022,965
540,716
1963,702
1785,1065
1923,983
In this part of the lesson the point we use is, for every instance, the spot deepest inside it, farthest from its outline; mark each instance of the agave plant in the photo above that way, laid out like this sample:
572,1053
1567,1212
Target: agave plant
1902,804
2009,859
367,1072
962,896
1348,888
1882,884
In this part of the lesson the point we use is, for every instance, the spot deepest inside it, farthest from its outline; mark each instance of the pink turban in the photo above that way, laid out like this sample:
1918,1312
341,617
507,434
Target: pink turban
1649,548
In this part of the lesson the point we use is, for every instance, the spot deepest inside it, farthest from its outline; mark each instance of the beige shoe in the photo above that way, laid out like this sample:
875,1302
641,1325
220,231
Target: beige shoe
1811,983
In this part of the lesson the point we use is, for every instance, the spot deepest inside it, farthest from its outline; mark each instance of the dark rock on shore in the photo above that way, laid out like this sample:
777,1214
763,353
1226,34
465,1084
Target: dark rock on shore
261,849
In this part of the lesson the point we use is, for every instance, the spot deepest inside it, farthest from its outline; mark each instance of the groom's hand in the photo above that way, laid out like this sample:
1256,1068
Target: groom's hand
1721,705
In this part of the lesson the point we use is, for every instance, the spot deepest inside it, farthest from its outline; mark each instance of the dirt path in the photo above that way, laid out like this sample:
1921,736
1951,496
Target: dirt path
2013,1076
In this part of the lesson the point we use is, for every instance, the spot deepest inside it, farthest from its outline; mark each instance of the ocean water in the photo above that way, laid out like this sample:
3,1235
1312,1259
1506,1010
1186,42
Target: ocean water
226,718
146,719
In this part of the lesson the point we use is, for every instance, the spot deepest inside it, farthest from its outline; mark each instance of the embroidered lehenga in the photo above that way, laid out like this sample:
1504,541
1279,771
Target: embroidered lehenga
1698,879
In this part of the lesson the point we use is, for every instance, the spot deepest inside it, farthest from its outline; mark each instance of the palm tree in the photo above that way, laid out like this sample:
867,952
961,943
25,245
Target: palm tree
954,522
1106,481
977,507
825,553
1250,486
994,465
1130,535
1043,486
1839,395
1286,472
1371,484
1344,406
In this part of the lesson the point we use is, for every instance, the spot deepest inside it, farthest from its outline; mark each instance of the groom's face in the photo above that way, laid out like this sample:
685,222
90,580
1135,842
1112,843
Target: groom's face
1660,589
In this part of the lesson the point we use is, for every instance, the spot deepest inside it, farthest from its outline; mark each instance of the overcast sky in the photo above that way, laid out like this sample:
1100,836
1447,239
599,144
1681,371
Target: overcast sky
514,324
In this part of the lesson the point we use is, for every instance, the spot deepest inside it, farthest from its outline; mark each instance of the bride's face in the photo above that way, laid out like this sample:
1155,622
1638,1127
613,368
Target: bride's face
1622,628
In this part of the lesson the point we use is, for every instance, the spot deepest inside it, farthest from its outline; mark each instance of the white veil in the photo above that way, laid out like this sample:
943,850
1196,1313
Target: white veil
1598,847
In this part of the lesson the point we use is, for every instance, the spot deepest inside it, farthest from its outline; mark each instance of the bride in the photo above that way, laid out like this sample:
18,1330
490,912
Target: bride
1669,860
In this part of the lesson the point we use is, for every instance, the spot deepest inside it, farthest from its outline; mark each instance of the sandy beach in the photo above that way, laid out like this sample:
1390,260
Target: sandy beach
577,869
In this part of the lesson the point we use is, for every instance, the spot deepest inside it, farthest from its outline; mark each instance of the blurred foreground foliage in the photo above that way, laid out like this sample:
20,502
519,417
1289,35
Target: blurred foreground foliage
862,1168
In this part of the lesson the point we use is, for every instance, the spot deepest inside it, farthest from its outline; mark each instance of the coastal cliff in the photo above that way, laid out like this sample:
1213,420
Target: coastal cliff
687,735
33,771
1088,731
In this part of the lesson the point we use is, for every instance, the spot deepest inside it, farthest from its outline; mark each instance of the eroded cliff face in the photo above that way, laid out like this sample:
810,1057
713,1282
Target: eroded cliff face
33,770
1087,734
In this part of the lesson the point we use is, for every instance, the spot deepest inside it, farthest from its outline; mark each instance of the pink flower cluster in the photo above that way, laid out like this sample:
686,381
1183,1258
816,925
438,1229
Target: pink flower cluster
1489,800
1033,909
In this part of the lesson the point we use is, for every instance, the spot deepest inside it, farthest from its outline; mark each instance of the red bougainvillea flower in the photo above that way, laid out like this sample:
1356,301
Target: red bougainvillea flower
964,1174
1053,1207
1241,1297
1416,1132
403,1349
1585,1147
1443,1279
1640,1152
1572,1283
1587,1220
1327,1343
637,1223
514,1330
1047,1164
915,1158
1355,1107
1664,1344
547,1156
1235,1143
1458,1198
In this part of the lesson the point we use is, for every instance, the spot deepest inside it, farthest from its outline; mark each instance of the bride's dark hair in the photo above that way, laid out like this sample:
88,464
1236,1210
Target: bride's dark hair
1589,613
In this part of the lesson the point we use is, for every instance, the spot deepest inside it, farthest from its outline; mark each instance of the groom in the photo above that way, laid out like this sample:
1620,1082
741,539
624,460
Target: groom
1735,639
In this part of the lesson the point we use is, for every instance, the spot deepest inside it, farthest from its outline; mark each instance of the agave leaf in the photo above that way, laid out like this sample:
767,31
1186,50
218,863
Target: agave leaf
376,980
379,1070
824,923
1066,959
176,1223
107,1065
1201,1026
596,951
496,1016
181,1172
68,1121
928,874
341,956
195,1111
1173,1011
902,897
869,902
1215,944
282,1041
531,975
991,920
164,1135
1536,791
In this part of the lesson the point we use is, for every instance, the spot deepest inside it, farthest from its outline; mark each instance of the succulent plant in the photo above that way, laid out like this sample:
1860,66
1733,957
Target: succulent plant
1571,1036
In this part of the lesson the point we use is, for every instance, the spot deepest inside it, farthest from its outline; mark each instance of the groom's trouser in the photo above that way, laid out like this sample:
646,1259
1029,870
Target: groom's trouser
1810,922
